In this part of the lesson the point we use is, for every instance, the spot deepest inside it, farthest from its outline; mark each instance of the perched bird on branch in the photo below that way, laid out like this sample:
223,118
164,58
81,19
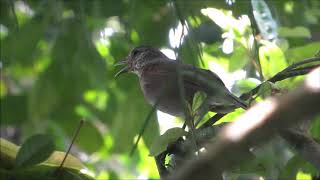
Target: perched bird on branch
160,79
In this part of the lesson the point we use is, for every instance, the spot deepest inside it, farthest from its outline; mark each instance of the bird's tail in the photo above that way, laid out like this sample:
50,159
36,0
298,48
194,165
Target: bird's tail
238,102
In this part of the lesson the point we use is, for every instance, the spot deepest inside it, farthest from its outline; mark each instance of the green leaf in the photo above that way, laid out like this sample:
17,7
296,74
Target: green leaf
160,144
299,53
296,164
296,32
272,59
89,138
265,89
238,59
8,153
198,99
245,85
315,128
43,172
35,150
20,46
148,18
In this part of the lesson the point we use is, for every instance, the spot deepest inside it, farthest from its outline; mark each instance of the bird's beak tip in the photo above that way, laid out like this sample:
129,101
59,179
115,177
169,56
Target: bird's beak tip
122,71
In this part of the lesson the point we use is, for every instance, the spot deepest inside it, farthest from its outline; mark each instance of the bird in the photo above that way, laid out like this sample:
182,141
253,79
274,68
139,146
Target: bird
159,81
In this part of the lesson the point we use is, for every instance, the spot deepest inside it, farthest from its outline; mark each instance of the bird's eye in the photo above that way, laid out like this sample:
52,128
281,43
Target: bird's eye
135,52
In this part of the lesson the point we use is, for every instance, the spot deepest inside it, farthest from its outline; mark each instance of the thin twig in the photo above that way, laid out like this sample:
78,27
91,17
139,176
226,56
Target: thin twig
144,126
303,62
73,140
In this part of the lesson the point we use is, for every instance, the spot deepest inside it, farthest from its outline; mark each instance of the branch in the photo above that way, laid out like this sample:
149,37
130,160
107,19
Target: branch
286,73
290,71
259,124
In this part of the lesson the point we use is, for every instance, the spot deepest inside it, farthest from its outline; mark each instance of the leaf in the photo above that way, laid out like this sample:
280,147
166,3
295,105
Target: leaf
265,89
266,24
8,152
71,162
152,21
20,46
89,138
299,53
245,85
296,164
198,99
160,144
43,172
296,32
238,59
272,59
35,150
315,128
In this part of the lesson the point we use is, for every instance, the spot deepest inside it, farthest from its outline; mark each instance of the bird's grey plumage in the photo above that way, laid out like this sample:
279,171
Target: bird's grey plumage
158,77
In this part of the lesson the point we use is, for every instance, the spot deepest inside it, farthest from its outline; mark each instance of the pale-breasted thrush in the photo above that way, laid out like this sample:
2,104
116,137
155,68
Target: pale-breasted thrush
158,77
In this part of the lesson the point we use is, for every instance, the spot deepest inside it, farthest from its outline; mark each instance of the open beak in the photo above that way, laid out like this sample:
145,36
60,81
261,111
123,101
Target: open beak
123,70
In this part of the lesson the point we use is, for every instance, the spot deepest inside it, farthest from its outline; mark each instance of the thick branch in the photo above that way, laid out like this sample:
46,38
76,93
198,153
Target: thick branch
257,125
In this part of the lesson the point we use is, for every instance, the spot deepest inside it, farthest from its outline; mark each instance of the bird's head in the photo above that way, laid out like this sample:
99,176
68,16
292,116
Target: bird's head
138,58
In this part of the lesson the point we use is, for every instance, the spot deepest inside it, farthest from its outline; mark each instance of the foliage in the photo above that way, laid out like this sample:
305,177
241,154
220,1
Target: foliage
160,144
57,67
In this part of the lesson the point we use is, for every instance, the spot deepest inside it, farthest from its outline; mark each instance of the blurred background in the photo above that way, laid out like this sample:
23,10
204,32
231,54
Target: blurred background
57,68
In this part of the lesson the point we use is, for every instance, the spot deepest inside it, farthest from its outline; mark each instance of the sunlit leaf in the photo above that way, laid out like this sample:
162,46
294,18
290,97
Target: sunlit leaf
230,116
41,172
304,176
272,59
8,152
160,144
35,150
71,162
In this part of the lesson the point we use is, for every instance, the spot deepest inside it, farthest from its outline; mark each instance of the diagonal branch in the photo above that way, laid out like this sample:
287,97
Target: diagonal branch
257,125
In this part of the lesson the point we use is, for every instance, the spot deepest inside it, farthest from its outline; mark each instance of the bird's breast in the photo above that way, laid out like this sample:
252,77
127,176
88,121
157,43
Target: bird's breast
162,87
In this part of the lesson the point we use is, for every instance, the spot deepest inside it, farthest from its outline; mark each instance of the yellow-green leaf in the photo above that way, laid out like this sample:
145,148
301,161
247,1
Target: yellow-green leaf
272,59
